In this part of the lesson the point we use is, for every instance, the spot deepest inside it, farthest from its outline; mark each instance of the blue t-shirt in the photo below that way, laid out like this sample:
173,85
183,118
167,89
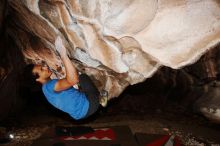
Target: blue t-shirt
70,100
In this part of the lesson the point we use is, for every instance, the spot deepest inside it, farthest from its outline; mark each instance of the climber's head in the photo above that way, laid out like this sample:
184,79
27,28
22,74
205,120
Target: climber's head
42,73
37,73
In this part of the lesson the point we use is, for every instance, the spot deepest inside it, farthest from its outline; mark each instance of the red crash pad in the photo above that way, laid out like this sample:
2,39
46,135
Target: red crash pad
101,136
156,140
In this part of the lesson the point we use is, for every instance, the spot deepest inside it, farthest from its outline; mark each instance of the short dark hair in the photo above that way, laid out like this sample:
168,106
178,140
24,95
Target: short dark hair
29,78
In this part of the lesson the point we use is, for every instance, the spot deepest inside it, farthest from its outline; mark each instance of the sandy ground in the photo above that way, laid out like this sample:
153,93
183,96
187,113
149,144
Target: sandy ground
192,129
145,114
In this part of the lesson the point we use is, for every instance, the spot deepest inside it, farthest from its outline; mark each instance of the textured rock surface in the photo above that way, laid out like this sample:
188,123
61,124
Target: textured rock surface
117,42
122,41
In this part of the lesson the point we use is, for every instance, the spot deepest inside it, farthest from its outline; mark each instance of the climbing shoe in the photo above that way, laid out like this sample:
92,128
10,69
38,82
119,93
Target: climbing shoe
103,98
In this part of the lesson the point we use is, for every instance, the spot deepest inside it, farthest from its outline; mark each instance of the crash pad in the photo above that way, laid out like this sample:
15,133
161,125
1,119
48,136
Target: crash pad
100,136
144,139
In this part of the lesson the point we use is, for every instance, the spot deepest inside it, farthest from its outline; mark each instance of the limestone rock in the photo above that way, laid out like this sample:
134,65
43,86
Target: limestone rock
117,42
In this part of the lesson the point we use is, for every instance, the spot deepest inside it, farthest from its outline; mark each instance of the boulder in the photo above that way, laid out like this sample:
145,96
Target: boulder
118,42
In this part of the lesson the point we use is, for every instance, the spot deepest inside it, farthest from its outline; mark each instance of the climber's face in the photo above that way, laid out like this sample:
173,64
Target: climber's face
43,72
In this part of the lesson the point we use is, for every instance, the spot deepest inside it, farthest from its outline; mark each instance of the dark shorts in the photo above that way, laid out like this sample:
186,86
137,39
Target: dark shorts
91,91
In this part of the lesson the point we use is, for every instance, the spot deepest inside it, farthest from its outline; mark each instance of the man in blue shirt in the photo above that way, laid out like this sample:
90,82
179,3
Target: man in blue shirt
61,94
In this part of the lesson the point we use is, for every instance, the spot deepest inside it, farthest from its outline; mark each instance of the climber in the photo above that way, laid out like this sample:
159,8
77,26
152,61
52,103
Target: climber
79,104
